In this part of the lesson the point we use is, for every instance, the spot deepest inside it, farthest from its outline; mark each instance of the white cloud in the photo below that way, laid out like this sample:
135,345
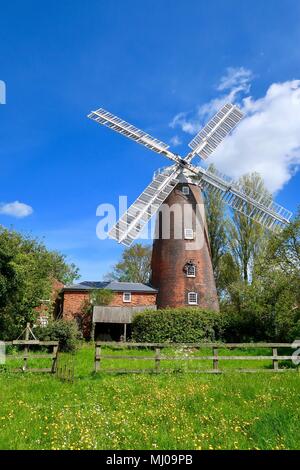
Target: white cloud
268,138
235,77
236,81
16,209
175,141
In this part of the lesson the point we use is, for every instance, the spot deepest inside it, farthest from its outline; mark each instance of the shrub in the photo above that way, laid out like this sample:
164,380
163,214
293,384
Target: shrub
180,325
66,332
101,296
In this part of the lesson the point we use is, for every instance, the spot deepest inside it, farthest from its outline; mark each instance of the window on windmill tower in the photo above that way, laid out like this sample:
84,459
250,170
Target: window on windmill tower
126,296
185,190
188,233
192,298
190,270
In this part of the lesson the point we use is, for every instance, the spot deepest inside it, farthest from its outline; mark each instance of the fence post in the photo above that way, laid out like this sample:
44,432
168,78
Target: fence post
97,358
157,360
54,359
215,361
26,347
275,361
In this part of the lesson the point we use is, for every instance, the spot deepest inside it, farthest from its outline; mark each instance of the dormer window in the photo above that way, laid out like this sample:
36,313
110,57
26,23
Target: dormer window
189,234
190,269
185,190
127,297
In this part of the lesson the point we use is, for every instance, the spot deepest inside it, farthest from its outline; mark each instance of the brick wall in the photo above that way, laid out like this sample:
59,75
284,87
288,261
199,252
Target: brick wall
170,255
136,299
53,305
74,300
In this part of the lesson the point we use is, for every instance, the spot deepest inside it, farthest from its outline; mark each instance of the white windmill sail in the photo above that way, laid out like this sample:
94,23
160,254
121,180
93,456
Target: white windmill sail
146,205
256,206
215,131
113,122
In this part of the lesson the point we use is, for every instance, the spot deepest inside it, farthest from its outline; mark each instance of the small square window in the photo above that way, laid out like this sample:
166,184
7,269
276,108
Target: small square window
126,296
185,190
191,270
188,233
192,298
43,321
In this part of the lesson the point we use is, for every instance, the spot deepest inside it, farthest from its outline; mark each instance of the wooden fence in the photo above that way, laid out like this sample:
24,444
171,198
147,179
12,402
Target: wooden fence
25,355
65,370
215,358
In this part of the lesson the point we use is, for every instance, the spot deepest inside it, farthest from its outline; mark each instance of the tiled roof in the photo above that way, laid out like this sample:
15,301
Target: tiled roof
115,286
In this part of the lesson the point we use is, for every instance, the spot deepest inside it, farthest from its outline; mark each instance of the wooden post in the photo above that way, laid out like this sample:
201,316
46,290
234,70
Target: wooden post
26,347
125,332
215,361
54,359
157,360
93,329
275,361
97,358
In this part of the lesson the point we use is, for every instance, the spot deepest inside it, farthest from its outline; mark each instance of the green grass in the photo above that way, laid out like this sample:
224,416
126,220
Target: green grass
145,411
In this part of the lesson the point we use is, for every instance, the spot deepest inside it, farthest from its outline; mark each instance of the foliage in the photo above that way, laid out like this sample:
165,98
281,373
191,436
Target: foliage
8,277
216,224
27,271
96,297
284,249
181,325
134,265
236,242
64,331
268,307
101,297
246,237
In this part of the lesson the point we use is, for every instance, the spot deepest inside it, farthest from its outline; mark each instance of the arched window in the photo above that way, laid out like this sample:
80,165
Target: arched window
190,269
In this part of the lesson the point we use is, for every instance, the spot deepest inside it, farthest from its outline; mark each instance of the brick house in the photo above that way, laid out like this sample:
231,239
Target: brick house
111,322
53,304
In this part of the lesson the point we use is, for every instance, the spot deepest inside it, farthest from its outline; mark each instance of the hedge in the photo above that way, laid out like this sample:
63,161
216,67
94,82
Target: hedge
64,331
180,325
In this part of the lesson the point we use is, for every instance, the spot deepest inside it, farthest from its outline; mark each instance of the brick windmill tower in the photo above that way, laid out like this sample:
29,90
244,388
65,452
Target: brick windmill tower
181,262
181,259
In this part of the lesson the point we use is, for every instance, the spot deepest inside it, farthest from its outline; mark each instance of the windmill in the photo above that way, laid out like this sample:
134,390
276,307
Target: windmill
183,274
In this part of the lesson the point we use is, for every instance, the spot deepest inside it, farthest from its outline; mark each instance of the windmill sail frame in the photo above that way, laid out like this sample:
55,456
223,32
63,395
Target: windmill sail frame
266,212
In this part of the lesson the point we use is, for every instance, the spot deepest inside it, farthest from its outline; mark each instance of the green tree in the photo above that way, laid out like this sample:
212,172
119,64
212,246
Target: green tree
246,238
284,248
134,265
216,224
268,307
8,277
101,297
26,275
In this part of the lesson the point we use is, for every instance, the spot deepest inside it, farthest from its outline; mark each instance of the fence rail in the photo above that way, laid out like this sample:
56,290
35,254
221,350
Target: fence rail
25,355
215,357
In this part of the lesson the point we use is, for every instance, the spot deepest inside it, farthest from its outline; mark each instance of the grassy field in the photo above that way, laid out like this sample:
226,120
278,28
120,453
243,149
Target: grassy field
167,411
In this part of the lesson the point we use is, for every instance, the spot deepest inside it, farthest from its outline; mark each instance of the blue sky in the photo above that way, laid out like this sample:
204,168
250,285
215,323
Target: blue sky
147,62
